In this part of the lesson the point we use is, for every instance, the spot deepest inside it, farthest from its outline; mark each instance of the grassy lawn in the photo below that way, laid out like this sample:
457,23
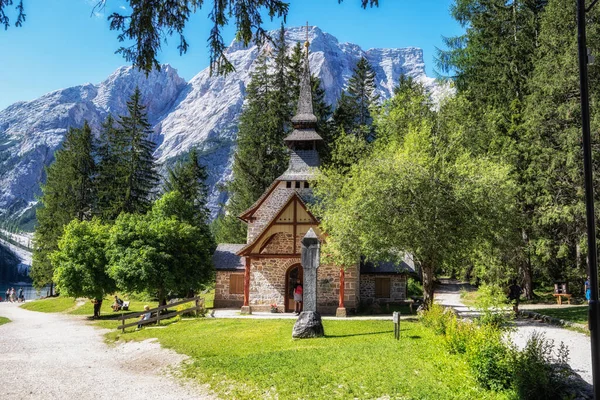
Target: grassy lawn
577,314
249,358
50,305
4,320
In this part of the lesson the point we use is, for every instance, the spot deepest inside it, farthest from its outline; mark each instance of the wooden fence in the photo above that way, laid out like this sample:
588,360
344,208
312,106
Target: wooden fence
155,313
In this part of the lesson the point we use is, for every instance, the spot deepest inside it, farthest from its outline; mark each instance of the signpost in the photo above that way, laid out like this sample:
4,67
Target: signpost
396,316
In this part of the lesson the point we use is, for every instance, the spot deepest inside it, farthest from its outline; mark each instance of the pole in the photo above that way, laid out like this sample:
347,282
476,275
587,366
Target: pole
589,197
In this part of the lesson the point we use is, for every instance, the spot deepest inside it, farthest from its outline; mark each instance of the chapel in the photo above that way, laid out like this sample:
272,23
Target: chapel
259,275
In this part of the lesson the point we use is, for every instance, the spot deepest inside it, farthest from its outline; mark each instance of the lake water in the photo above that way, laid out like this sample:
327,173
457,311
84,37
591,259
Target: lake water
29,291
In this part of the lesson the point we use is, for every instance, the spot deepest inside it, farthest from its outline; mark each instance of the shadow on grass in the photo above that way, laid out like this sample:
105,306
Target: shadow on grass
359,334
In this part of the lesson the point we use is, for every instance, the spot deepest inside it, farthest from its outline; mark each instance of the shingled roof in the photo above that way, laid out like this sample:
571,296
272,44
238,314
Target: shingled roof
302,166
298,135
226,259
407,266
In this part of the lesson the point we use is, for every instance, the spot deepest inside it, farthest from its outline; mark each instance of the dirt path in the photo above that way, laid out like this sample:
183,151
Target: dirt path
54,356
580,359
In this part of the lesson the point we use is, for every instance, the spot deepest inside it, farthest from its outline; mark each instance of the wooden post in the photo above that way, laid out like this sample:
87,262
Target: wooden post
197,307
123,324
342,284
247,283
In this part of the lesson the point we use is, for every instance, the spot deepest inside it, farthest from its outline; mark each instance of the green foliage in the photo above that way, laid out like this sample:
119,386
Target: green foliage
490,359
353,111
188,177
4,320
141,176
67,194
80,263
419,191
159,252
540,375
438,318
491,302
459,335
414,288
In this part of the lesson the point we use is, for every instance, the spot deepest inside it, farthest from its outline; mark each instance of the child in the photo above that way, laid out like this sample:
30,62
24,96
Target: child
146,316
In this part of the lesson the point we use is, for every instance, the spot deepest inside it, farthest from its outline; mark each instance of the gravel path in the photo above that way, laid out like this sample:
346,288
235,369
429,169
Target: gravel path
580,358
55,356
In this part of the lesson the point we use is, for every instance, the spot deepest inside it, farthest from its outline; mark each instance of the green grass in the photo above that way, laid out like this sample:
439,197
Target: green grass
4,320
577,314
50,305
250,358
469,298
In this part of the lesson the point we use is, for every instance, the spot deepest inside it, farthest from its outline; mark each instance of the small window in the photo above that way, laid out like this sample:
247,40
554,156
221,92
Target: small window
306,185
288,184
236,284
382,288
297,185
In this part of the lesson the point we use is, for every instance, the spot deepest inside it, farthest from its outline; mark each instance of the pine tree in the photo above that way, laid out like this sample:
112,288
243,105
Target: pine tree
67,194
353,112
141,175
188,178
112,169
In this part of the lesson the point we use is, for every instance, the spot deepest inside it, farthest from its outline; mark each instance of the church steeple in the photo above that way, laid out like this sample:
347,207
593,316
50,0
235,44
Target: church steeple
304,139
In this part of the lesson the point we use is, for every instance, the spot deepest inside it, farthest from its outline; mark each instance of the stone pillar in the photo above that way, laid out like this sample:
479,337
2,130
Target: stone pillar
341,310
246,307
309,321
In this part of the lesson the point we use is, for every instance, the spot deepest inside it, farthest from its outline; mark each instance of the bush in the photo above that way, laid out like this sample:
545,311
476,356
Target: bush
437,318
491,303
414,288
458,335
490,358
537,376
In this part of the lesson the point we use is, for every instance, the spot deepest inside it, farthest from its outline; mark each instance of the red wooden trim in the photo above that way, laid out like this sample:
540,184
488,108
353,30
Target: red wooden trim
275,255
248,213
266,228
295,222
247,283
267,242
342,284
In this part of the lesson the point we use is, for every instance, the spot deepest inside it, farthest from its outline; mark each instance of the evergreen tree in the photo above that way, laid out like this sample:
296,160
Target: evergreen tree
67,194
353,111
141,176
188,178
112,169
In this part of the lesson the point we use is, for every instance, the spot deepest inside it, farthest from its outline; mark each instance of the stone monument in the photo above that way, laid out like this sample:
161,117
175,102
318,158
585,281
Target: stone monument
309,323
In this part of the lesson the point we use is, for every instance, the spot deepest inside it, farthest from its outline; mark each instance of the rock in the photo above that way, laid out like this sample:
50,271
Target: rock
308,325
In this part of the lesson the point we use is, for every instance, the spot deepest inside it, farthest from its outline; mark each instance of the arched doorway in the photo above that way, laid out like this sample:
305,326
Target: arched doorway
294,272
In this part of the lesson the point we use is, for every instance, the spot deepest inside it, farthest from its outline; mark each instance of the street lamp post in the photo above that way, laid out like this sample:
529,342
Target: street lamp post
593,317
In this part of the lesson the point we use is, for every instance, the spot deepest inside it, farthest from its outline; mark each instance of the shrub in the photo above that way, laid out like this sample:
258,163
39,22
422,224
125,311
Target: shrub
437,318
538,377
490,358
414,288
491,303
458,335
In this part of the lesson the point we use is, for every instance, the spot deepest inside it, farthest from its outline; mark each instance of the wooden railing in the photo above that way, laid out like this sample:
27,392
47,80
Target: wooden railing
156,313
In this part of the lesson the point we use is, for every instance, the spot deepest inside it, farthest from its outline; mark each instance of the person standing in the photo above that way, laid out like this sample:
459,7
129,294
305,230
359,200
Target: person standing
298,297
21,296
12,295
7,298
514,295
588,290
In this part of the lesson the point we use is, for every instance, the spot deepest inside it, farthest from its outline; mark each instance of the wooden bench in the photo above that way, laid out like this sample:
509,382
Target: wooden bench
559,298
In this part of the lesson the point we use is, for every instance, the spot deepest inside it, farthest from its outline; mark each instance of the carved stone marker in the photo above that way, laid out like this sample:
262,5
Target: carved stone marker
309,322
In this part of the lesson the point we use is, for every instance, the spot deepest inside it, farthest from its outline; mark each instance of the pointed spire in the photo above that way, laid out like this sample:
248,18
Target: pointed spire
305,117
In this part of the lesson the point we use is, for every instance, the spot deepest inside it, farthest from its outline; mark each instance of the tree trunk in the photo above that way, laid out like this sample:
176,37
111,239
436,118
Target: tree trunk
162,299
526,270
427,284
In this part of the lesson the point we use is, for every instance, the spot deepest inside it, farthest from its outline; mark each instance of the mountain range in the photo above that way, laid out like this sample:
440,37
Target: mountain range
202,112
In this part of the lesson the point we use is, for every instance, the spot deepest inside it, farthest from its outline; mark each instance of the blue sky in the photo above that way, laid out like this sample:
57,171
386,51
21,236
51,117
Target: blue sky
63,44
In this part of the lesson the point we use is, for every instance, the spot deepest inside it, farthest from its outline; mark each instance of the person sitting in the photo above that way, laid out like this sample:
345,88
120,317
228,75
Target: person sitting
118,304
146,316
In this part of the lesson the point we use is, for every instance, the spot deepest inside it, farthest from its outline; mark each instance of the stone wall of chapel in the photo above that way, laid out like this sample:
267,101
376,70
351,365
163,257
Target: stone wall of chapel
269,208
267,285
397,288
281,243
223,299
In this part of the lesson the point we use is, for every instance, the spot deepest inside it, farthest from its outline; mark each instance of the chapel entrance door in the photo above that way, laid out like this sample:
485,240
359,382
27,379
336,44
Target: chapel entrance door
293,273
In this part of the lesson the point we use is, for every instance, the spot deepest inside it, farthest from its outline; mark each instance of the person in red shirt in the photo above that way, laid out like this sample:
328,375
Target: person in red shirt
298,297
